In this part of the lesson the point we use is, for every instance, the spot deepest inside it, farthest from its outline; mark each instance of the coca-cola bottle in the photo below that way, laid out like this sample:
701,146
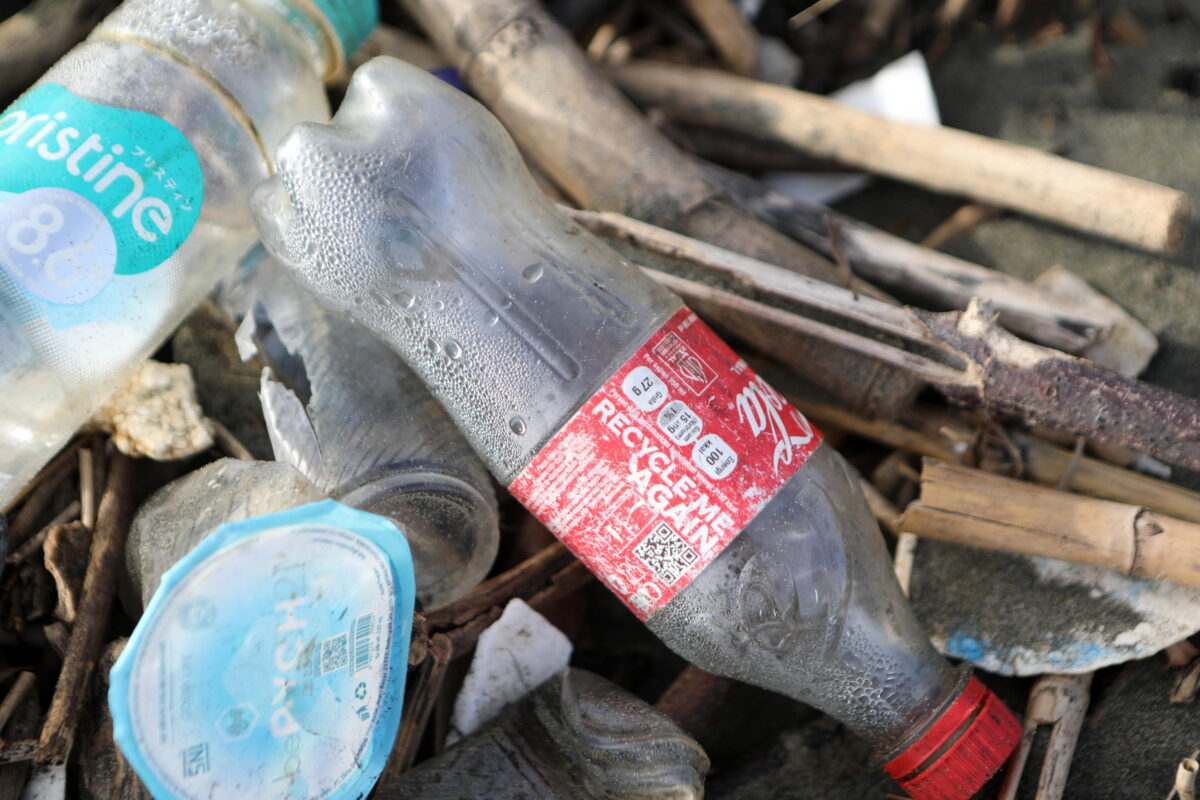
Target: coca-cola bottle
685,482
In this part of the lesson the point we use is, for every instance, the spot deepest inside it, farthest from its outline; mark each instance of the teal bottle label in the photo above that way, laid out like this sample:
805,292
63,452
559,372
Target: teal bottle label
271,661
89,192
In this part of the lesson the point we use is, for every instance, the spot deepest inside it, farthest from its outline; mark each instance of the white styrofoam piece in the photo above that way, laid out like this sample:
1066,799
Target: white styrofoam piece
517,653
901,91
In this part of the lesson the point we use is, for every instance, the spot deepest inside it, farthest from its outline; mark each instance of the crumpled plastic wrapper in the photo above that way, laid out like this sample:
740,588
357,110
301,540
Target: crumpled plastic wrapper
156,414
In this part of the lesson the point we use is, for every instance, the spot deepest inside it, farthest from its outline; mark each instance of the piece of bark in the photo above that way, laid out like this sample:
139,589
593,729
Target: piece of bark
87,636
732,35
973,507
604,154
937,279
24,724
66,558
1044,387
1097,201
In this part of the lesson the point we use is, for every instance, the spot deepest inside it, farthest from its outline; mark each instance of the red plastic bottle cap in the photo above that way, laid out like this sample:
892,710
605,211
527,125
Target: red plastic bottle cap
961,750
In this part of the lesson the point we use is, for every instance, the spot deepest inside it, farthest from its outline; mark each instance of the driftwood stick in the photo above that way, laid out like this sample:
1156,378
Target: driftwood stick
938,279
516,582
1045,387
38,35
732,35
16,695
35,542
964,355
972,507
87,636
1097,201
40,491
1059,702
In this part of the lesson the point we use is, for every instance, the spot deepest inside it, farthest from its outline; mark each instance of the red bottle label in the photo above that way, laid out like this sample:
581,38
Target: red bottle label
660,470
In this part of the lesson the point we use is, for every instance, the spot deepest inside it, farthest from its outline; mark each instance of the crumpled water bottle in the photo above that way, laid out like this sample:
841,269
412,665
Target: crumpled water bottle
691,488
125,173
349,415
575,737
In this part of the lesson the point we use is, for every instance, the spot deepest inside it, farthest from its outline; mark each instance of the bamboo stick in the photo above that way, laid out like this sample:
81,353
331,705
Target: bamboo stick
969,506
1086,198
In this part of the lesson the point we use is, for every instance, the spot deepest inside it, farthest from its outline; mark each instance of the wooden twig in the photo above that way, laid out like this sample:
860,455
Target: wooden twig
418,708
520,581
811,12
87,636
938,279
732,35
902,562
958,224
40,491
87,487
1097,201
972,507
34,543
230,445
16,695
38,35
1060,702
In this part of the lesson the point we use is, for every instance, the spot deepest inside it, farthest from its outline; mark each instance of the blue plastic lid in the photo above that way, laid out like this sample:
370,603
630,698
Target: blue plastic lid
271,661
352,19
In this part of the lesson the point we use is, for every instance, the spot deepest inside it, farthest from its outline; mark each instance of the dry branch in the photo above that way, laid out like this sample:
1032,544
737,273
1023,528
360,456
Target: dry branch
731,33
938,279
966,356
1097,201
969,506
87,637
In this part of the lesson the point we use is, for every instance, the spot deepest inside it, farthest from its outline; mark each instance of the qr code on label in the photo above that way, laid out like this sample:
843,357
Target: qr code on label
665,552
335,653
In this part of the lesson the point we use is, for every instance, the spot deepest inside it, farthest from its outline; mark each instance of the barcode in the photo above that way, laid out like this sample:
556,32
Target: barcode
665,552
362,641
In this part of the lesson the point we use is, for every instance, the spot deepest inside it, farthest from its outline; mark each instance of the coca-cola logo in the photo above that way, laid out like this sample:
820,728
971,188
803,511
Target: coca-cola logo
694,371
765,411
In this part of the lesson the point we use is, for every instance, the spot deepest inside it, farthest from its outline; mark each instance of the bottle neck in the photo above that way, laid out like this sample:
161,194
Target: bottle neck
314,33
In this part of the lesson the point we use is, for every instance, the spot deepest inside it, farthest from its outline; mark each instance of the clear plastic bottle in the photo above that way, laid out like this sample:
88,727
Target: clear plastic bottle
349,414
125,174
688,485
575,737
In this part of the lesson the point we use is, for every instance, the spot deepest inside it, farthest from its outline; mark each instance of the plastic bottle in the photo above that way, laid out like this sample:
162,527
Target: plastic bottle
124,179
348,413
271,660
688,485
576,737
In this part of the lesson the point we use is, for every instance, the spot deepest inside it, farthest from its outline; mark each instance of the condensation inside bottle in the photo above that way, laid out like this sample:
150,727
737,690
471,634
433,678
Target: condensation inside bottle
413,213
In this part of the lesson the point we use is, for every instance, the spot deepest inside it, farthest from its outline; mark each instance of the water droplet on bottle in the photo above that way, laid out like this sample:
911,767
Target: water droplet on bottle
506,303
405,298
532,273
453,349
438,305
491,318
517,425
433,347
